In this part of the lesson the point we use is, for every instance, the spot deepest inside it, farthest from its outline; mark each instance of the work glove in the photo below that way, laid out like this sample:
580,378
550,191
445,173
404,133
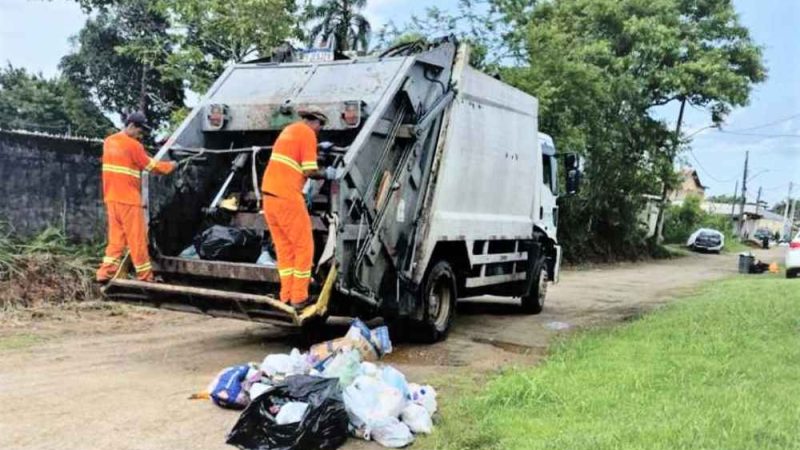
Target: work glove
326,145
330,173
309,198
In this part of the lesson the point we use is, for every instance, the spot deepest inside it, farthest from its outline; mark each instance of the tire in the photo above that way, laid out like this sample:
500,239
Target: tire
533,302
438,301
791,273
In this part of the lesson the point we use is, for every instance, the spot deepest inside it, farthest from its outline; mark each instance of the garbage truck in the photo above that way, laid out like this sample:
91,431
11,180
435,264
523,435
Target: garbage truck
444,189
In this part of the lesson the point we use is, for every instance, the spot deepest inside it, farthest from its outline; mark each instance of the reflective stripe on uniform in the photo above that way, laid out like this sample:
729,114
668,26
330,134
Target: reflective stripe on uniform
110,260
286,160
121,170
151,165
309,165
143,267
286,272
301,274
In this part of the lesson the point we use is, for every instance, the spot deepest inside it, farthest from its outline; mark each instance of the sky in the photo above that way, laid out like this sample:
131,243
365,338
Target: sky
35,34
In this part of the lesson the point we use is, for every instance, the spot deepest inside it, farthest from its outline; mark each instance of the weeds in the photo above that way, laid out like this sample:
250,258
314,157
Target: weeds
46,269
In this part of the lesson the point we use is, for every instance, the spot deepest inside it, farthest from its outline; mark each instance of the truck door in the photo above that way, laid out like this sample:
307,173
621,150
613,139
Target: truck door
548,212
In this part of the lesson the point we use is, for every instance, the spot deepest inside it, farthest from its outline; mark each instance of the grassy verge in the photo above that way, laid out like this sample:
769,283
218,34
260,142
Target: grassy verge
718,370
46,269
19,341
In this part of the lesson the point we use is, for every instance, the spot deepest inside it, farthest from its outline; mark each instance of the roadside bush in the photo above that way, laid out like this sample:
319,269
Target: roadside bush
681,221
47,269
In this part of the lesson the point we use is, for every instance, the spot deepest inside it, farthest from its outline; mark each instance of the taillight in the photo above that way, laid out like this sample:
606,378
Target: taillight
217,116
794,244
352,114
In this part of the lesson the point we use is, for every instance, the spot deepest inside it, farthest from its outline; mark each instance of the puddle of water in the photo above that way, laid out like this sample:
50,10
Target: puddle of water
510,347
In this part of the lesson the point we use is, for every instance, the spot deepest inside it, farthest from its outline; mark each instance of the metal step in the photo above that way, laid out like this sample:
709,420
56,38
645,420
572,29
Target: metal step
214,302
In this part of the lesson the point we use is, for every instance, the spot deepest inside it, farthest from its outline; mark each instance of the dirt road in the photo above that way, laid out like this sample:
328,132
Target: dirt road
120,378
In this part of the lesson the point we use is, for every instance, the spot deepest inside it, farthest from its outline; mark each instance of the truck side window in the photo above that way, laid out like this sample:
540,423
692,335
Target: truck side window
547,171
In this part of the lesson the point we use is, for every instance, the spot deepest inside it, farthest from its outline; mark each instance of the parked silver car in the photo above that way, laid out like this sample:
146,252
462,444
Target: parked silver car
706,239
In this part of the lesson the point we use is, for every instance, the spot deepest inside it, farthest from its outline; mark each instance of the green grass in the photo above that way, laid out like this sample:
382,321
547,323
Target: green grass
19,341
717,370
735,246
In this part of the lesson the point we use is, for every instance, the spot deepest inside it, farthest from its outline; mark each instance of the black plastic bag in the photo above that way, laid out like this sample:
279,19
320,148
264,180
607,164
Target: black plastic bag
220,243
324,425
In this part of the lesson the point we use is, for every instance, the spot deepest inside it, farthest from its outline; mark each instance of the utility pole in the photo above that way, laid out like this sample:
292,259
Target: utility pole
758,200
659,234
744,193
787,230
735,200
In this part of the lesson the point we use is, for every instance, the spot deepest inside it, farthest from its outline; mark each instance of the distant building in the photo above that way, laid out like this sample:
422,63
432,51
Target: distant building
690,185
755,218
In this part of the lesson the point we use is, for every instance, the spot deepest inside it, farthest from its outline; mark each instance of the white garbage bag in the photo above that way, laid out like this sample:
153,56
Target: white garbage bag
291,412
423,395
258,389
390,432
417,418
294,363
345,366
369,400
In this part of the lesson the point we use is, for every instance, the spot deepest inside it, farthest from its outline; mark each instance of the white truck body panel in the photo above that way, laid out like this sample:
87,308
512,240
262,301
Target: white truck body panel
489,181
490,172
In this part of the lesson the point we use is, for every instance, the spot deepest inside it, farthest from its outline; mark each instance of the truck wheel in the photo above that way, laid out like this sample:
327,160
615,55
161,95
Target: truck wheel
791,273
533,303
438,300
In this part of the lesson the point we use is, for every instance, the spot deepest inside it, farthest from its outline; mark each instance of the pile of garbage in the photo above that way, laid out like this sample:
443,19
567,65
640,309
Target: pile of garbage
319,398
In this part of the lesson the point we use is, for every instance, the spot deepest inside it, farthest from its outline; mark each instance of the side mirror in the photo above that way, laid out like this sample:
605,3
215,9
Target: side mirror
572,168
571,162
573,182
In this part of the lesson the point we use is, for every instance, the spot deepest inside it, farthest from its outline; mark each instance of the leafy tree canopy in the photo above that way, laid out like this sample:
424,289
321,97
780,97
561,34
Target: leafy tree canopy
33,102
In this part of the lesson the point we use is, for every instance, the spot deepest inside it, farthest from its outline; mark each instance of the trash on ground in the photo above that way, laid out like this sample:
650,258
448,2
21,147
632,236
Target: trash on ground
417,418
322,424
227,391
291,412
316,399
371,344
558,326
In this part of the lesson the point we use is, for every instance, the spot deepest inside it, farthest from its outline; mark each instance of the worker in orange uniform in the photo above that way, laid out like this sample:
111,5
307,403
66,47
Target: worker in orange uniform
124,158
293,161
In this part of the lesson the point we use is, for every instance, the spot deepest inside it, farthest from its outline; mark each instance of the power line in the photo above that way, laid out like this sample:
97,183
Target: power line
691,152
759,134
757,127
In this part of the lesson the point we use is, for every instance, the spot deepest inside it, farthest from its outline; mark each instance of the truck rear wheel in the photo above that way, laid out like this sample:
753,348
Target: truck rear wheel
438,300
533,302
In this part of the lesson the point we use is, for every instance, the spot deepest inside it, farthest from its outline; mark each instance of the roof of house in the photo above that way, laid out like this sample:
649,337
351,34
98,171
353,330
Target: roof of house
690,172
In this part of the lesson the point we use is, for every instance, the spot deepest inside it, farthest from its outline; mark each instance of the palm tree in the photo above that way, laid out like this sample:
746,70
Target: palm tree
341,21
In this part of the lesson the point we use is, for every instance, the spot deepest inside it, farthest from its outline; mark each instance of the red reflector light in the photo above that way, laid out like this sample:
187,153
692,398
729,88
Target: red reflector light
794,244
352,114
217,115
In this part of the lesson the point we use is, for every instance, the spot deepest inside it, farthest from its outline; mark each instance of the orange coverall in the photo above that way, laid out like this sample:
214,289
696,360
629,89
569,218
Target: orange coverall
294,153
123,160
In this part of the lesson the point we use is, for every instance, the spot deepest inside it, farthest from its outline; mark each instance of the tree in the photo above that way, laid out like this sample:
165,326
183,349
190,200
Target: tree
341,21
116,57
208,35
724,198
493,28
600,67
54,105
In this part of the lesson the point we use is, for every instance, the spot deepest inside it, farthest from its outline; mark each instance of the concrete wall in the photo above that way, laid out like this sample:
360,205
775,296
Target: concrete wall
51,181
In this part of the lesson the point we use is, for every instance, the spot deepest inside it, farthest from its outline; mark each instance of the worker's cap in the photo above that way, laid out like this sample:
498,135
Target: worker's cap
314,113
138,119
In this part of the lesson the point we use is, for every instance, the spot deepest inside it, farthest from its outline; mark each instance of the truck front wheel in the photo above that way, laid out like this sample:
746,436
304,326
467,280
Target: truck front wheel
438,300
533,301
